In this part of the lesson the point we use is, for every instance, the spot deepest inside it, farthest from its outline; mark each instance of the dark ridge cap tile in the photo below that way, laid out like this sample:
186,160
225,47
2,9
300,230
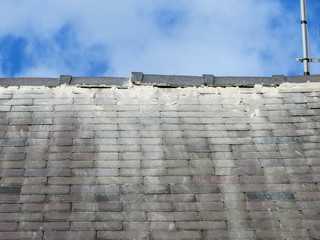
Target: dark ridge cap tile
49,82
65,79
172,80
303,79
244,81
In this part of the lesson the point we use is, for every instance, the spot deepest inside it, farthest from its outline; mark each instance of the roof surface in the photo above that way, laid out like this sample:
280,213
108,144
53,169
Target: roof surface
143,162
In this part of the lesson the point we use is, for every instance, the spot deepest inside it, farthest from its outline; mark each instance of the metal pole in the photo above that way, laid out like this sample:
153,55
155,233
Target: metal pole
304,37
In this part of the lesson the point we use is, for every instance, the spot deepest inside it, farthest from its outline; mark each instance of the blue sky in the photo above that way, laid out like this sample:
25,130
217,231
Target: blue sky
49,38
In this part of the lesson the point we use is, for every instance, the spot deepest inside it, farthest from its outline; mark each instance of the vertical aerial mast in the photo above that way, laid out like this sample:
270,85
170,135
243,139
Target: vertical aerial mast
304,26
305,40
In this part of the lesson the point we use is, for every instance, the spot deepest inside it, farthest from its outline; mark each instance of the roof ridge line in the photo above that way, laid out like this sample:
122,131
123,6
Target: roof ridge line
157,80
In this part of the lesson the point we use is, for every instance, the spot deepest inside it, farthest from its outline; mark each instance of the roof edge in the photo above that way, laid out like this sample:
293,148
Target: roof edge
140,78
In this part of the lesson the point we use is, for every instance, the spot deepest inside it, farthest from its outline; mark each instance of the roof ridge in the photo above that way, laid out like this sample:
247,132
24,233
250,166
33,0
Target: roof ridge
139,78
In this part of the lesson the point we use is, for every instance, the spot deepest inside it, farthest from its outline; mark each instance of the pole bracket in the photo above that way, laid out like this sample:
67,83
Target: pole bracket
308,59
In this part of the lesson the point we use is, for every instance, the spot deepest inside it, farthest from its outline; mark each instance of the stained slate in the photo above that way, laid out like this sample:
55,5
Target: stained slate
271,196
142,162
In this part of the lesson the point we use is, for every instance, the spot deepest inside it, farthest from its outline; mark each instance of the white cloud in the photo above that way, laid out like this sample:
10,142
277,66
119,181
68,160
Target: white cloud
231,37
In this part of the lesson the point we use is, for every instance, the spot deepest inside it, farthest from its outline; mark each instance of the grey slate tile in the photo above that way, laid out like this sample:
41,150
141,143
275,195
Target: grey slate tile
107,198
14,142
12,190
267,140
271,196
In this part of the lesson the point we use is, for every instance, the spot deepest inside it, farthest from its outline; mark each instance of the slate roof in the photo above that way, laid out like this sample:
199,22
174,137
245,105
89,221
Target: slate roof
90,161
